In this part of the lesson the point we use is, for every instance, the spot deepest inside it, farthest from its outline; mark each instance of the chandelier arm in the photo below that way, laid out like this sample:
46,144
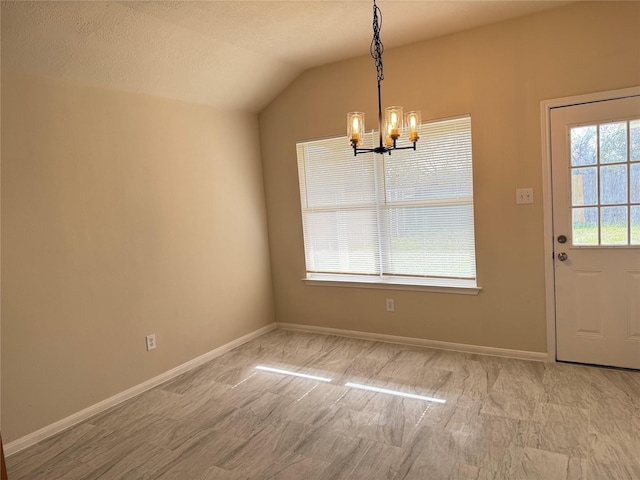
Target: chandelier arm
382,149
408,147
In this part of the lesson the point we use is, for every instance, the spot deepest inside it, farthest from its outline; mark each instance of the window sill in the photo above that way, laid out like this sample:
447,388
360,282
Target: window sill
438,285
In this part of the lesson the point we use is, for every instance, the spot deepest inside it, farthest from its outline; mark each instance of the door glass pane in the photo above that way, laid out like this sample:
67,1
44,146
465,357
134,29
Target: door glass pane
613,184
585,226
635,225
613,142
635,183
605,183
634,136
584,145
584,186
614,225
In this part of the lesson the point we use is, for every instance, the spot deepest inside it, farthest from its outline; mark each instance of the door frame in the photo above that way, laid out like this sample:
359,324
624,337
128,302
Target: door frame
547,196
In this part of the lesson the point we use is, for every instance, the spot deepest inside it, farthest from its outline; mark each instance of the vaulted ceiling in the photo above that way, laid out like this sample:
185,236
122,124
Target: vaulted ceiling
229,54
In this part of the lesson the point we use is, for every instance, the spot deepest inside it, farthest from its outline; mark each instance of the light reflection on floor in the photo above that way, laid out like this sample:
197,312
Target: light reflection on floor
358,386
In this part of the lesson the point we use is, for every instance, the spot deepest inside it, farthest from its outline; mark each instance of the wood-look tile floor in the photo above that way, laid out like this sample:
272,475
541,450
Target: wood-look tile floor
494,419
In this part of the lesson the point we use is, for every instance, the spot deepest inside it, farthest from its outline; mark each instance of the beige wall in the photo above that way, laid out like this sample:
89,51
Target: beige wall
498,74
122,215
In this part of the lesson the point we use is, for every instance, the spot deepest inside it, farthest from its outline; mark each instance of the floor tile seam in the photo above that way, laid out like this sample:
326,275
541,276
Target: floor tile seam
507,416
65,453
528,422
14,461
562,406
297,459
28,475
621,435
495,467
581,450
592,458
510,379
569,456
534,398
590,455
316,434
620,438
362,456
108,460
21,471
107,465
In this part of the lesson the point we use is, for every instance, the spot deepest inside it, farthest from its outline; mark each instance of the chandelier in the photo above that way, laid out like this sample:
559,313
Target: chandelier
394,122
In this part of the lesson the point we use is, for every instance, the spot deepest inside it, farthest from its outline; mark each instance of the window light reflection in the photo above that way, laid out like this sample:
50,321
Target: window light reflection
293,374
393,392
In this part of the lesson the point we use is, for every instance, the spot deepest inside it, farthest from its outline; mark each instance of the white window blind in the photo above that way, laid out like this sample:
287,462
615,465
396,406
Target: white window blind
403,217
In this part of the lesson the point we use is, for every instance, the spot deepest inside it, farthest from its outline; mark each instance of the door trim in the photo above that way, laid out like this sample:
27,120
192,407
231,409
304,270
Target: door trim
547,197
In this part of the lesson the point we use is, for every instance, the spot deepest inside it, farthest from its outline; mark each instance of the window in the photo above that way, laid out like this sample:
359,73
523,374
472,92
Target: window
401,219
605,183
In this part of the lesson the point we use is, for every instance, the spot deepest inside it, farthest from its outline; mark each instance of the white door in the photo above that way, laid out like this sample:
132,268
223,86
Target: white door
595,165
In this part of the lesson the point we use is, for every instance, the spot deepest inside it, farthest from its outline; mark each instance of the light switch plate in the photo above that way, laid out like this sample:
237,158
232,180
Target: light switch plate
524,195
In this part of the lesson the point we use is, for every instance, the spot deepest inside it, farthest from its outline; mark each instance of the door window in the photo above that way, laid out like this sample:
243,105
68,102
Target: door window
605,183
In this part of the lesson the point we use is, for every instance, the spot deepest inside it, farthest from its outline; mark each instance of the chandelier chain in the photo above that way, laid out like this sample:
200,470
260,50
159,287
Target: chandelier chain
376,44
392,128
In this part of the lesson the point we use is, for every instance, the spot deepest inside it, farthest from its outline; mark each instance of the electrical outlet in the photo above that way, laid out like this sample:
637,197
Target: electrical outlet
391,307
524,195
151,341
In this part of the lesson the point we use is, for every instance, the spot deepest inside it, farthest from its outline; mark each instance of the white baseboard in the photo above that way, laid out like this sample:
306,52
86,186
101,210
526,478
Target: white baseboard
420,342
57,427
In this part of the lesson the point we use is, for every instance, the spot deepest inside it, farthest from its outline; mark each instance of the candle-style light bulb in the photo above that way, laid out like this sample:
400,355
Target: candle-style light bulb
393,126
394,119
355,127
413,121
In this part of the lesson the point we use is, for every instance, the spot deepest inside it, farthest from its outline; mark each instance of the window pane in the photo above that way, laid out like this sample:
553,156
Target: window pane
584,186
584,146
635,225
585,226
441,170
634,135
614,226
613,184
338,179
613,142
635,183
341,241
431,241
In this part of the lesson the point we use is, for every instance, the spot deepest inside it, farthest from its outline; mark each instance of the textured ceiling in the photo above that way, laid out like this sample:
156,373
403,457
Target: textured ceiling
229,54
